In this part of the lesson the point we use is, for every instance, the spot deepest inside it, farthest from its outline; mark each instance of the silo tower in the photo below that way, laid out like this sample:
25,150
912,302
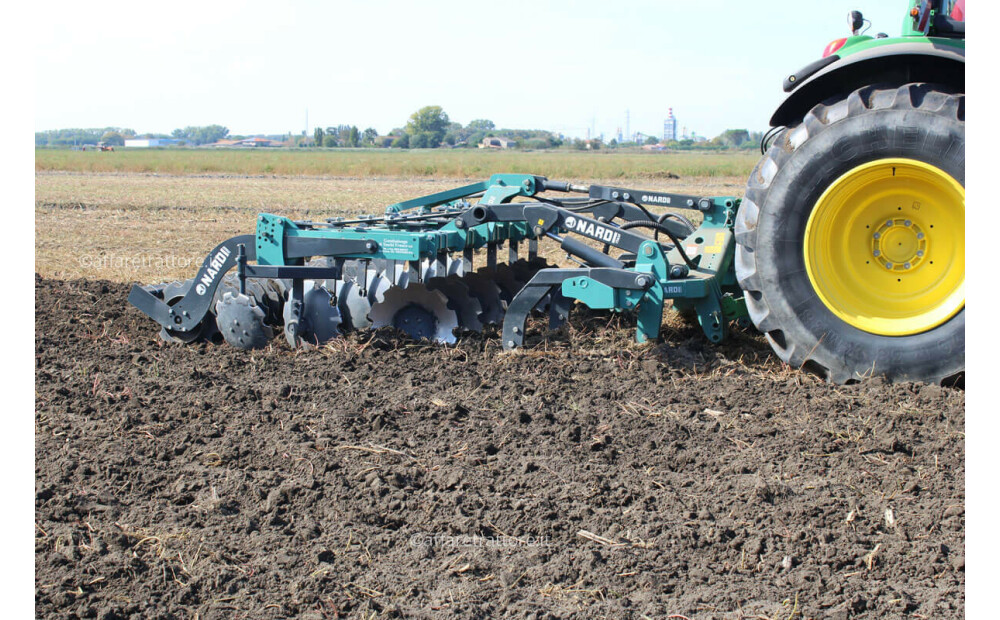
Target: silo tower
670,126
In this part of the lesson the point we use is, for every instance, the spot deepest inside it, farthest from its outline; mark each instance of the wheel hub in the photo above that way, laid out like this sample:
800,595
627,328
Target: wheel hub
899,244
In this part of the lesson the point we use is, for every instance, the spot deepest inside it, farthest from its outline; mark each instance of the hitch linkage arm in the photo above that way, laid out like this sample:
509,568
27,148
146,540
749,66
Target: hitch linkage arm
547,219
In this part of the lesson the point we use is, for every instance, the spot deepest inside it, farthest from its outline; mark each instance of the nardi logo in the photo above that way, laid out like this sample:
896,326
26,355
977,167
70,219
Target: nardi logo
213,270
593,230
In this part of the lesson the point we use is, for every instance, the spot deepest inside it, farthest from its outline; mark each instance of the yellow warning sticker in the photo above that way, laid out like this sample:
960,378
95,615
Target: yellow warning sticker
716,248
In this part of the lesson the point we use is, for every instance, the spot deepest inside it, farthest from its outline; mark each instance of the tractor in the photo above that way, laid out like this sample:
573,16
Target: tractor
847,251
850,240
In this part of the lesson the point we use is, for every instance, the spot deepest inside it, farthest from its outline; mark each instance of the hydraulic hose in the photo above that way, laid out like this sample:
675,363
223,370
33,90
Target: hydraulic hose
679,218
662,228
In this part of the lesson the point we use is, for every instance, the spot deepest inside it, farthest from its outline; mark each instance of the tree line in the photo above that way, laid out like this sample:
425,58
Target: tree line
116,136
428,127
75,137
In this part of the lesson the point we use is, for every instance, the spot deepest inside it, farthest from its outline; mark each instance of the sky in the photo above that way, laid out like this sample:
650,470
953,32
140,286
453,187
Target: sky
258,67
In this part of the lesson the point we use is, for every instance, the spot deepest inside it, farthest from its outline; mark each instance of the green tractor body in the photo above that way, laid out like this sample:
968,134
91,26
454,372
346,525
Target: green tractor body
934,54
850,239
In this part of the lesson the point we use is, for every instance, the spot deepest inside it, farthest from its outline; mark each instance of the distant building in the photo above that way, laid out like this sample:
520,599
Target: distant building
145,143
251,142
256,142
492,142
670,127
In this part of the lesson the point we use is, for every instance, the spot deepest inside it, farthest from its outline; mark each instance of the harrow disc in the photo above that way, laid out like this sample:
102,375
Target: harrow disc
465,305
352,304
512,277
273,300
242,321
510,285
487,293
269,295
526,269
417,311
206,330
356,295
320,319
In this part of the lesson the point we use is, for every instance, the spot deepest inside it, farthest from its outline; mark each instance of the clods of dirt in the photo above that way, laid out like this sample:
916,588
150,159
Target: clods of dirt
583,477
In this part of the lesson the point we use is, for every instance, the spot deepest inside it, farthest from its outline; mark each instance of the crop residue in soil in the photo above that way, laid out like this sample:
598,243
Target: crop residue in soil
580,477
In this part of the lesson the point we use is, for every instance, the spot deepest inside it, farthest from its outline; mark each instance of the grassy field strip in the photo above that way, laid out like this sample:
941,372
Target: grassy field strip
147,228
433,163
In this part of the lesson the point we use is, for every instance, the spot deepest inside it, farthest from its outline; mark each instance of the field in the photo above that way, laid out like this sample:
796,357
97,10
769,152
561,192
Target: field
435,163
583,476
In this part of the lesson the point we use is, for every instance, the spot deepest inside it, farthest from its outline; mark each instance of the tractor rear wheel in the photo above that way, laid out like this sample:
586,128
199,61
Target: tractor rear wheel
851,238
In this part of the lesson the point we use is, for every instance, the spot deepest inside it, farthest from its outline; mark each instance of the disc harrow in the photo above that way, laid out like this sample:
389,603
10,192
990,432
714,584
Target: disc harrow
849,260
433,265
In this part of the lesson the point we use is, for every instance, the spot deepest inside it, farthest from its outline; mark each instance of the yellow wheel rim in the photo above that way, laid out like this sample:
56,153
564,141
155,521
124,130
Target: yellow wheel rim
885,247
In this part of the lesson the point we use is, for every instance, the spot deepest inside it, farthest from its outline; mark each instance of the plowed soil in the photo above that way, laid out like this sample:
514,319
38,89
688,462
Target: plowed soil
585,476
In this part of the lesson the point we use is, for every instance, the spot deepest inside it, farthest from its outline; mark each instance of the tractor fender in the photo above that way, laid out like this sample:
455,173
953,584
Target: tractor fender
893,63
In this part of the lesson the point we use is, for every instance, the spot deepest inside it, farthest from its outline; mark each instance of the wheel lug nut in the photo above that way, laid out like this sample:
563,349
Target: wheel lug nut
877,236
888,265
920,252
908,223
906,265
876,253
920,235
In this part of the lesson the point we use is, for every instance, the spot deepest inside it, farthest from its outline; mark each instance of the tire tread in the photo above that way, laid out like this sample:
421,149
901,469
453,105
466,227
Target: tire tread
764,296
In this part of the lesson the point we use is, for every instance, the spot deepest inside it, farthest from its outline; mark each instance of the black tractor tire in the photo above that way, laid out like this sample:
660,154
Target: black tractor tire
921,122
